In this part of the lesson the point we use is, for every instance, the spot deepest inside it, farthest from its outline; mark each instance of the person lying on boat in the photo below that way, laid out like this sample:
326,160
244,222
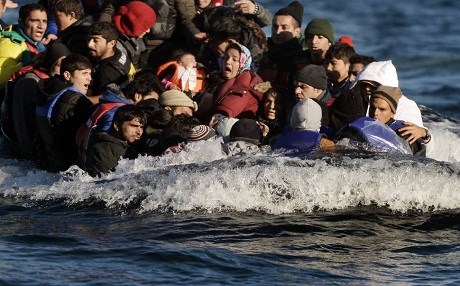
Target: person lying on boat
303,133
383,104
384,73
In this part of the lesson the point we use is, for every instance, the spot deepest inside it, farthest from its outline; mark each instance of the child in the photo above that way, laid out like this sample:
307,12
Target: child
183,74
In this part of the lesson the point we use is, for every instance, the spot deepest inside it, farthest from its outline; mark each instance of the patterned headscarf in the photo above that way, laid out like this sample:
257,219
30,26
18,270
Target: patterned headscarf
245,59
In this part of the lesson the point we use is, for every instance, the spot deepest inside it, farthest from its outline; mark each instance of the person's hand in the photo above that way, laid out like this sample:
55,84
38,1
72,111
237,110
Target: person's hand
50,37
412,132
174,87
215,119
245,6
10,4
201,37
264,127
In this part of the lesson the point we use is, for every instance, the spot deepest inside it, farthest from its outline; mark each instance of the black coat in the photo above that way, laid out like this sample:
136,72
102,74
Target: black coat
57,135
104,151
75,36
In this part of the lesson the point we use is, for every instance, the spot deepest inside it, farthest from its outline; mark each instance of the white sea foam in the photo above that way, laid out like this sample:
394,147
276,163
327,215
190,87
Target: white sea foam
203,178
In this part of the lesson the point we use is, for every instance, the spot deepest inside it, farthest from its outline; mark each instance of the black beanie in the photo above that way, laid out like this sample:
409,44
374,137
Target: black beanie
348,107
313,75
54,51
295,9
246,130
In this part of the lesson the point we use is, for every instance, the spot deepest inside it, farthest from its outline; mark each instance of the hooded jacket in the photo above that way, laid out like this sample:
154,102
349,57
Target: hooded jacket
384,73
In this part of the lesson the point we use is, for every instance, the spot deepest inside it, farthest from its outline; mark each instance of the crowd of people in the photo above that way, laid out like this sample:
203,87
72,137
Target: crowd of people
88,84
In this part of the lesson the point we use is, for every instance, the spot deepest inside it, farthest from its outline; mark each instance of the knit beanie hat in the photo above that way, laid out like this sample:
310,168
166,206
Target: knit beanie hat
176,98
134,18
201,132
348,107
320,26
294,9
246,130
306,115
54,51
389,94
313,75
346,40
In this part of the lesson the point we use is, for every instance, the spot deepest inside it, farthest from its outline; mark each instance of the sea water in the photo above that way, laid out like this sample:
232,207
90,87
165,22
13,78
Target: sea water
199,217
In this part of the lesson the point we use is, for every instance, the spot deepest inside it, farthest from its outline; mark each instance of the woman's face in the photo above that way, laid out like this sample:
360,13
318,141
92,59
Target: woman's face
231,65
269,106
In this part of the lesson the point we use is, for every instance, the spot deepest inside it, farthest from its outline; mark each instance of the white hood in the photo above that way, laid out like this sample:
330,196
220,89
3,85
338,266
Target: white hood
383,72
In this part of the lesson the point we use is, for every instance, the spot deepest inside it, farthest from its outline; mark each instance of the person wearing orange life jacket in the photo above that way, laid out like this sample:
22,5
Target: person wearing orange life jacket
183,74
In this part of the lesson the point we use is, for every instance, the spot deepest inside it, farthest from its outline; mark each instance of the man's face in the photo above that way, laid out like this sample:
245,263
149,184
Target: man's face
99,48
380,110
79,79
317,44
284,29
336,69
35,25
131,131
303,91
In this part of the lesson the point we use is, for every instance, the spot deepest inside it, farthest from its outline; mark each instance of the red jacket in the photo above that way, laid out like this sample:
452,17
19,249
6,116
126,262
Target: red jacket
237,97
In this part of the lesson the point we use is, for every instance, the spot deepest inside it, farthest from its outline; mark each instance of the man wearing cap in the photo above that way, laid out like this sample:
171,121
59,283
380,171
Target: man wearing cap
311,82
380,73
320,36
133,21
178,102
286,47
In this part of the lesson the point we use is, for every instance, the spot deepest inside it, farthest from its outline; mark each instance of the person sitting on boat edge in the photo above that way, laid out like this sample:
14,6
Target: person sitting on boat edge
384,73
106,148
302,135
62,107
383,105
353,128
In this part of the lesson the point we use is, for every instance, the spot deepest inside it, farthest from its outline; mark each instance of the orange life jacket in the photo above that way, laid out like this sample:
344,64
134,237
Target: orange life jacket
183,78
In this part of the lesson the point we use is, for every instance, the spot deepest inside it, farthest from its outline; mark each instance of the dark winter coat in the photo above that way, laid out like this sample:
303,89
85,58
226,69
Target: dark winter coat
57,135
104,151
75,36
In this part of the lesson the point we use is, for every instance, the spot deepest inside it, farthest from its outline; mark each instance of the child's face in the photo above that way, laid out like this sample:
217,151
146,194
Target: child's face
188,61
231,65
270,106
337,69
380,110
80,79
